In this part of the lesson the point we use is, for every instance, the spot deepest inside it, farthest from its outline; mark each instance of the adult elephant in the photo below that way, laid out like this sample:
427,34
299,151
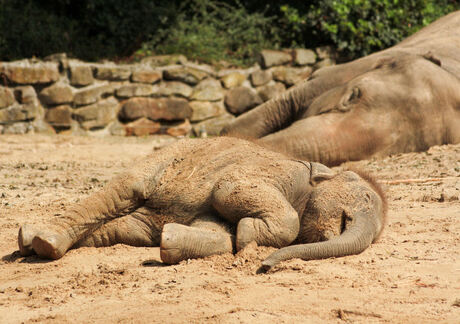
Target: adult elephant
403,99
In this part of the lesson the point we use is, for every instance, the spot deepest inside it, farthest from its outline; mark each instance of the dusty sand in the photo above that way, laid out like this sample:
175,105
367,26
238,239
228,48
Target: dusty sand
412,275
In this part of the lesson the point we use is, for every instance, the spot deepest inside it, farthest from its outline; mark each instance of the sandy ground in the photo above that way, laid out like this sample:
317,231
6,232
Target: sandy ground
412,275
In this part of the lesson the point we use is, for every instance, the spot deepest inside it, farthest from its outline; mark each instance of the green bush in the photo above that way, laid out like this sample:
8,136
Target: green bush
211,31
360,27
207,30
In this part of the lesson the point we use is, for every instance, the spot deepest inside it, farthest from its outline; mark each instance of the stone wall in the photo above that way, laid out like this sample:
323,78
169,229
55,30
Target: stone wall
159,95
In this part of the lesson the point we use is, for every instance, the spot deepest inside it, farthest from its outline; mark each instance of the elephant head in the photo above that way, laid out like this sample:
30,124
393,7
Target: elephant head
344,215
402,99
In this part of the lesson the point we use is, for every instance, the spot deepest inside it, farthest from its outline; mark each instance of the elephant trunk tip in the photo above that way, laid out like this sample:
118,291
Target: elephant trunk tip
266,266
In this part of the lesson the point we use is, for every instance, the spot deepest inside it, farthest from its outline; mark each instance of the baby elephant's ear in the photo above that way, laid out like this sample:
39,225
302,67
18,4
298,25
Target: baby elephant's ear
431,57
320,172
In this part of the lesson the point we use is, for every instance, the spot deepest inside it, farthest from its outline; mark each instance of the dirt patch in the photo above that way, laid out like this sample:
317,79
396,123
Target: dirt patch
411,275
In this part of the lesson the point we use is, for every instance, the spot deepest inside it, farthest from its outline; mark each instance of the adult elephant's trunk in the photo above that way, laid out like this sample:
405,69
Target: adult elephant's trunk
277,113
280,112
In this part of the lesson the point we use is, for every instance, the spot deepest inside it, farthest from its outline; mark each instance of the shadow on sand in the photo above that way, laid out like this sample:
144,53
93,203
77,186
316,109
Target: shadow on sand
16,257
153,263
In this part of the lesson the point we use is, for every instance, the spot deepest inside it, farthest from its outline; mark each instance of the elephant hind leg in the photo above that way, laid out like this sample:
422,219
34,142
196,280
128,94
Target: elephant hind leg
135,229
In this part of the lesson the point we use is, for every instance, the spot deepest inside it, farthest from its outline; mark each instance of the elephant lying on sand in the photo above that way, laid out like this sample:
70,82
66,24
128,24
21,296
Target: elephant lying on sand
403,99
191,197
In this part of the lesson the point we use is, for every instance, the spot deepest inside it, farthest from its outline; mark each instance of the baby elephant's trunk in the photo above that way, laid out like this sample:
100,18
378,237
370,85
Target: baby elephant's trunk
362,213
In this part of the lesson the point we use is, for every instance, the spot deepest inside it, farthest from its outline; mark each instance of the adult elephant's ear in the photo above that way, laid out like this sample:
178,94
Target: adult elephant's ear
433,58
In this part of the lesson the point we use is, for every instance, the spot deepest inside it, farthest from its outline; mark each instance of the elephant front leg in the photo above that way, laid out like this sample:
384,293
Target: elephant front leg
262,212
204,237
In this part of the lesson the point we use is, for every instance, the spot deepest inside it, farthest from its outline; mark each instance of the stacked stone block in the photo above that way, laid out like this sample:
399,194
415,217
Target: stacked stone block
160,95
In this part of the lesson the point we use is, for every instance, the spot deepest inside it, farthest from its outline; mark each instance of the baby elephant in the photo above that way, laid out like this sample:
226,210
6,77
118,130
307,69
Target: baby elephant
200,197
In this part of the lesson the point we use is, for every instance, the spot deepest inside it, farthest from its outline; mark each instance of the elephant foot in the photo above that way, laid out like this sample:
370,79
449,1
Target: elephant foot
180,242
171,245
25,236
49,245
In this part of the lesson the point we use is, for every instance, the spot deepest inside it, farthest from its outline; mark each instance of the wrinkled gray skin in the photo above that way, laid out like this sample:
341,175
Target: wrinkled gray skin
208,196
403,99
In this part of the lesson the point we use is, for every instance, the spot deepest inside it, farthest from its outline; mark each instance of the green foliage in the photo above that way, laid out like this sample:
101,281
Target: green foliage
211,31
207,30
360,27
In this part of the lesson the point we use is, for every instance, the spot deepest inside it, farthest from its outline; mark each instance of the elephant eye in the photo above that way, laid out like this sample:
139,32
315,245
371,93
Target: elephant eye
355,94
344,103
352,96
